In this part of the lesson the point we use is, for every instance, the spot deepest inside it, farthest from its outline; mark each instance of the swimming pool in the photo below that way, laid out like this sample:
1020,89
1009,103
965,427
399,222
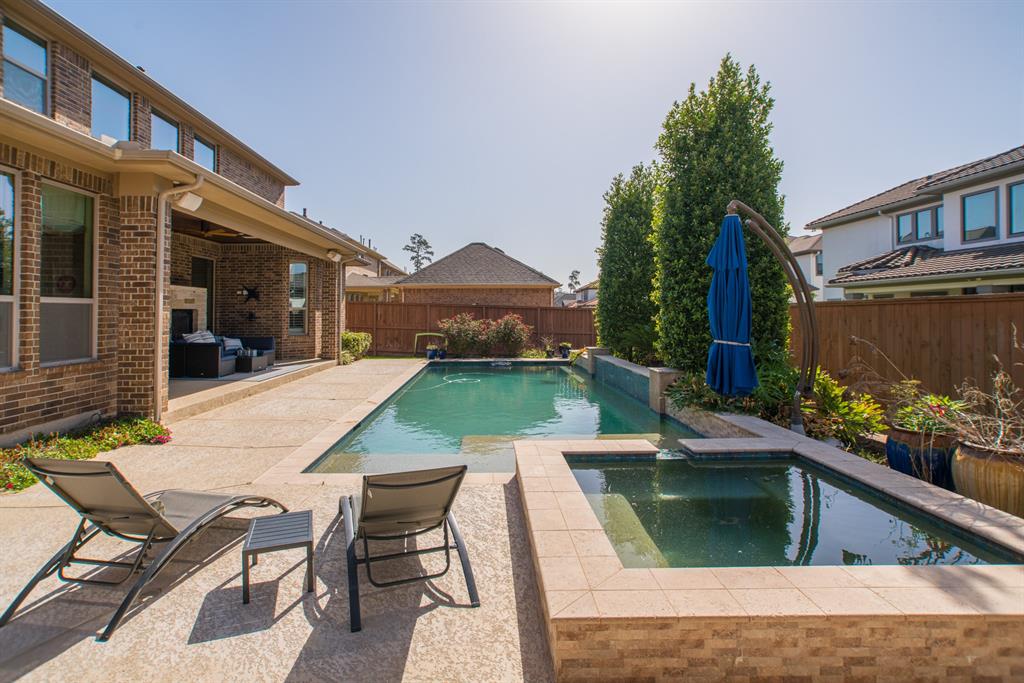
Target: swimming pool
471,413
744,512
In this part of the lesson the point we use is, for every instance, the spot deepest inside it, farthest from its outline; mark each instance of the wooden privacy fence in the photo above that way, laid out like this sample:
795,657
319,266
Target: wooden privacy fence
394,326
940,341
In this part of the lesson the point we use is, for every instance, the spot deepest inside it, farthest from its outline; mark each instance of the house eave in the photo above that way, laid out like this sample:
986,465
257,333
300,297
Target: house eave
1011,168
946,277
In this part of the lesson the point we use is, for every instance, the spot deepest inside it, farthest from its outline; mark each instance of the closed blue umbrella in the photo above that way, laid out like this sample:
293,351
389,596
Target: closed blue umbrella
730,361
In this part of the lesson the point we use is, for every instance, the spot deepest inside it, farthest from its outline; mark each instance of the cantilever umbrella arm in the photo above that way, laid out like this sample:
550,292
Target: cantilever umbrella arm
804,302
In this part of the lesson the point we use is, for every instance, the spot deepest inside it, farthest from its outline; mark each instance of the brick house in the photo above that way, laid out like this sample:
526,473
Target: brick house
478,274
118,203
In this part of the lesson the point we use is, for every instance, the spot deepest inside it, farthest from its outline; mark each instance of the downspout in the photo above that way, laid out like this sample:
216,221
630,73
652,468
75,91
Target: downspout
158,320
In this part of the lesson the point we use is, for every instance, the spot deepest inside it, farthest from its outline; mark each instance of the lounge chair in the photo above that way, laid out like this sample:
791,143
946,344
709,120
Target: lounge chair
400,506
108,503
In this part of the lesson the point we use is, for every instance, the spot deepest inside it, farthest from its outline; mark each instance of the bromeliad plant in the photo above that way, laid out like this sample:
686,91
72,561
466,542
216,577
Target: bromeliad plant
929,414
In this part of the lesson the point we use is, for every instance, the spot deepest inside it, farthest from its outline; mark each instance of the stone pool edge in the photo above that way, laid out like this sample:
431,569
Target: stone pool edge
607,621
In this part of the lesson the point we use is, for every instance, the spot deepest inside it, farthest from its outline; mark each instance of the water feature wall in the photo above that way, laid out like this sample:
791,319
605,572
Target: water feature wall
632,380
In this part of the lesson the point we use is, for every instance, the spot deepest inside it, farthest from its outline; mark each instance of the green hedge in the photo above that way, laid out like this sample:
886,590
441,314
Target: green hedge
625,311
714,147
354,346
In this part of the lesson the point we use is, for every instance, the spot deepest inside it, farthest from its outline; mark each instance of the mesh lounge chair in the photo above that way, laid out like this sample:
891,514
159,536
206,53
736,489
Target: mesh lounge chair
400,506
108,503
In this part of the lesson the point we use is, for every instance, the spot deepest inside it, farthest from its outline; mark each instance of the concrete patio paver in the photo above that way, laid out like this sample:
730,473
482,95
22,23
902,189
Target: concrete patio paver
192,624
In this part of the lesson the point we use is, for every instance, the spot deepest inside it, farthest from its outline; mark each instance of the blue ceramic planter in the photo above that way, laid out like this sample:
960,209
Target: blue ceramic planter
929,458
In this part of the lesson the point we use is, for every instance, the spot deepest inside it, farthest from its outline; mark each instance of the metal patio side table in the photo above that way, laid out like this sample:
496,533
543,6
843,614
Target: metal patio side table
278,532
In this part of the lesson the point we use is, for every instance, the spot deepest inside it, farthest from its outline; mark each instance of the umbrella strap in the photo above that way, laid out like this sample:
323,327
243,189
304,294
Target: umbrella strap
729,343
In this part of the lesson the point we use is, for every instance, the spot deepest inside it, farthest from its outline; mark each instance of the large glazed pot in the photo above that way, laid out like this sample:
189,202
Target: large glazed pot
924,455
995,478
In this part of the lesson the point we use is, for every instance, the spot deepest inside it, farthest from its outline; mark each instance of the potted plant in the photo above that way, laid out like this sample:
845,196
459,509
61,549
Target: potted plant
442,353
921,442
431,351
565,348
988,464
549,349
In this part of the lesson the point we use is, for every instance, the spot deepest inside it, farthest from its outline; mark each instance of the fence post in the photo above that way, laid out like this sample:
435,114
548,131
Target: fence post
376,343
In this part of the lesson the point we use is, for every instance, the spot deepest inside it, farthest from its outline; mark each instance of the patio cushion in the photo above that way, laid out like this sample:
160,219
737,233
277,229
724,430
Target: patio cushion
232,345
200,337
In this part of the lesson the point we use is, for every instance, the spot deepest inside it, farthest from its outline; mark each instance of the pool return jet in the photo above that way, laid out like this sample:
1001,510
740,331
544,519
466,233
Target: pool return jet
730,369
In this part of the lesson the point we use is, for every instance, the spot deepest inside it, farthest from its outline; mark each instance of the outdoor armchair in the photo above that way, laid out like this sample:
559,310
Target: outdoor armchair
107,503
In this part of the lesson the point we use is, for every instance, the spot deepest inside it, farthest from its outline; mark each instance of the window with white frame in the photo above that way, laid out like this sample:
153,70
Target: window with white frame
980,215
66,269
298,280
24,68
7,261
1015,209
111,112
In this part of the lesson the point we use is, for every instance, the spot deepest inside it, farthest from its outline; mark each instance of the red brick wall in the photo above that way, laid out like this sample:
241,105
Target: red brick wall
521,296
250,176
265,267
70,88
32,394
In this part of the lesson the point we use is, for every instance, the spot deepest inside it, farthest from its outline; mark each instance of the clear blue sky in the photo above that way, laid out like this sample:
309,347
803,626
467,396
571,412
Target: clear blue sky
505,122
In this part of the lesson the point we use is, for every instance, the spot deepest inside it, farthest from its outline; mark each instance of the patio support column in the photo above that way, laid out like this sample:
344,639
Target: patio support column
138,277
332,301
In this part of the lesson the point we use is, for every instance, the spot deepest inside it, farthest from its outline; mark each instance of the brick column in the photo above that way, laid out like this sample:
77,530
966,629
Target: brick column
70,88
331,303
139,273
31,230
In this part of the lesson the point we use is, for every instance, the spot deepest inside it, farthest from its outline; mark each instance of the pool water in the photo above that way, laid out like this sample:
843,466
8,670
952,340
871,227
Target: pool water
703,512
473,413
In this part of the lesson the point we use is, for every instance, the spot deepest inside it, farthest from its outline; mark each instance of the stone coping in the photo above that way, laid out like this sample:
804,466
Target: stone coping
581,576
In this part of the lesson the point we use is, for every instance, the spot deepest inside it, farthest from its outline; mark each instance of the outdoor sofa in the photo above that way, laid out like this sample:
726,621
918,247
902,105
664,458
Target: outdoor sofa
212,359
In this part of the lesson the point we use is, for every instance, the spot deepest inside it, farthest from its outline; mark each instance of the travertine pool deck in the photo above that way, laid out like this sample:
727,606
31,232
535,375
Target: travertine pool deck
192,625
609,622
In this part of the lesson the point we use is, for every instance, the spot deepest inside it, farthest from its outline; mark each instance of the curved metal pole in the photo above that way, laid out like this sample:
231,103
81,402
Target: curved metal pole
804,302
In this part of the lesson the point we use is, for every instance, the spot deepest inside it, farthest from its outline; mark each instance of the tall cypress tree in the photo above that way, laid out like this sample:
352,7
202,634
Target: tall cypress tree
625,310
714,147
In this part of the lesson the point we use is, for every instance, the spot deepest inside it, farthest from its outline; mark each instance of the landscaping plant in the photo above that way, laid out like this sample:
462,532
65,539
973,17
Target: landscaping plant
625,310
509,334
354,346
462,332
82,444
715,147
835,412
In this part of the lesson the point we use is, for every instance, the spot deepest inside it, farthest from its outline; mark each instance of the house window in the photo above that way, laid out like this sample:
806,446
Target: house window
1016,209
940,227
923,224
111,112
24,68
819,263
905,228
205,154
980,219
7,214
66,266
164,134
297,280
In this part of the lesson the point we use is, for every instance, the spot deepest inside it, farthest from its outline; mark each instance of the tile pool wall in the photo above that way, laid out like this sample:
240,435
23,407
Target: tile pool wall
628,378
609,622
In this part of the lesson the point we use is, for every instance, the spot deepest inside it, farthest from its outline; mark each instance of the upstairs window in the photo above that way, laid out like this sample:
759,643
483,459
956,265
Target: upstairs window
164,134
205,154
24,68
6,270
66,267
819,264
905,228
980,215
111,112
940,227
1016,209
923,224
297,289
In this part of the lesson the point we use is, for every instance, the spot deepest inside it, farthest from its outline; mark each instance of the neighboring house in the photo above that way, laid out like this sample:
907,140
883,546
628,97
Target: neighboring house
586,296
959,231
101,247
565,299
374,278
478,274
807,251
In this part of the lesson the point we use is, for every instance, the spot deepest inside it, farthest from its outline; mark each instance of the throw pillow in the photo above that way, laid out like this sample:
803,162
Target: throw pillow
200,337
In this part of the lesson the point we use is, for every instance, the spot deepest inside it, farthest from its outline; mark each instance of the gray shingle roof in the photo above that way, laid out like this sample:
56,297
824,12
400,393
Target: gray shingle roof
924,261
923,186
362,280
478,264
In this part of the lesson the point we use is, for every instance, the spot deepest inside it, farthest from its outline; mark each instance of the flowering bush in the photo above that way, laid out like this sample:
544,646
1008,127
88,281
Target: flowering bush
462,333
509,334
468,336
81,445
